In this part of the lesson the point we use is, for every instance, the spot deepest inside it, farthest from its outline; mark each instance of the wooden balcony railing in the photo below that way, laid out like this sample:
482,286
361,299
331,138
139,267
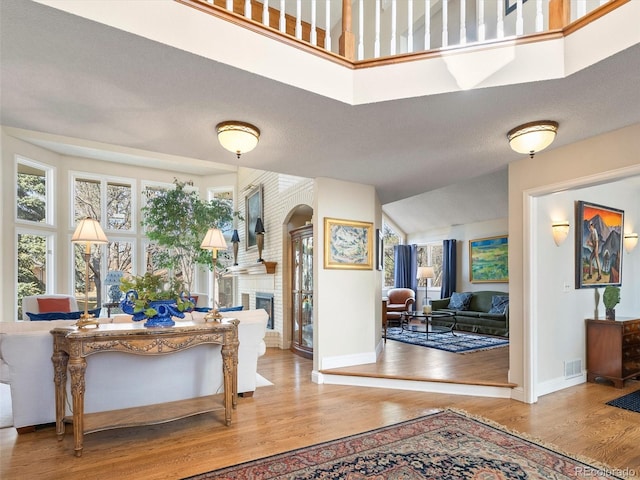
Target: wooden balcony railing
360,31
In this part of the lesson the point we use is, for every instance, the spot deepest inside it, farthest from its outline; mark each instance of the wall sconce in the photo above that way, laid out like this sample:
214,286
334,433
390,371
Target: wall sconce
630,241
88,231
560,231
238,137
532,137
259,238
235,239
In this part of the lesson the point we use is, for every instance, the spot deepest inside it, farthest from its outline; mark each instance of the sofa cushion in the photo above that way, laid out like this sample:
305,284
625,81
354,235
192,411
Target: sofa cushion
499,304
48,316
53,304
460,301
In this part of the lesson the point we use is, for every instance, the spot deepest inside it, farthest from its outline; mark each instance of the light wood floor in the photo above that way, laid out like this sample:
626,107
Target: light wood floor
295,413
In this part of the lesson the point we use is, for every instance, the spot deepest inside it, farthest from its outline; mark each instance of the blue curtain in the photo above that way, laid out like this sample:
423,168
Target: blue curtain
406,266
448,268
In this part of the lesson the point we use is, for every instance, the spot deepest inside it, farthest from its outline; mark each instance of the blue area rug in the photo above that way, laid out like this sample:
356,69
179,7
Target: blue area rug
630,402
458,343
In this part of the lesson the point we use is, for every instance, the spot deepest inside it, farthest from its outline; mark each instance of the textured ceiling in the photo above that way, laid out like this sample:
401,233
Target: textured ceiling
68,76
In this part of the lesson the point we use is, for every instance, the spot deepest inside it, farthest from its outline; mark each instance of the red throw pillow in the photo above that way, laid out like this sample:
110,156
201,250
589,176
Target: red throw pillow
46,305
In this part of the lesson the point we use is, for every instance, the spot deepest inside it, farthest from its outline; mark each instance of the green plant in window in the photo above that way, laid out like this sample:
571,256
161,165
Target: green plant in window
152,287
178,220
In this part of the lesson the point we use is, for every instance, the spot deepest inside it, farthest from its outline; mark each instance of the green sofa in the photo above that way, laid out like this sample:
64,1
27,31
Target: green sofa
476,318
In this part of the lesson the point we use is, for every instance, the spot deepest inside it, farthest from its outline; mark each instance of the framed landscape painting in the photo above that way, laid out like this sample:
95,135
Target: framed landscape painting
489,260
598,245
348,244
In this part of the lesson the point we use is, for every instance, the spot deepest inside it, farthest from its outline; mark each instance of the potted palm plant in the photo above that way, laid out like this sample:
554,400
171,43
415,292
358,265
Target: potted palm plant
610,298
155,298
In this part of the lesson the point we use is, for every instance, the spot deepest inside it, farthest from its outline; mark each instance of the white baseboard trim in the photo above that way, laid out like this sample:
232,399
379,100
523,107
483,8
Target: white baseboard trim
413,385
327,363
553,385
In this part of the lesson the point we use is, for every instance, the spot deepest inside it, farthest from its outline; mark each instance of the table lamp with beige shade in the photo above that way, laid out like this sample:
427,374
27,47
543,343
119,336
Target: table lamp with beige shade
425,273
214,241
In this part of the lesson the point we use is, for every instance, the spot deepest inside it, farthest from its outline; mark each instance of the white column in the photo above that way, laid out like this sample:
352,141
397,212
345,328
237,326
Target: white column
314,34
394,7
500,20
539,16
445,21
463,22
410,26
265,13
327,27
482,29
247,8
283,21
230,5
299,19
376,40
519,20
427,24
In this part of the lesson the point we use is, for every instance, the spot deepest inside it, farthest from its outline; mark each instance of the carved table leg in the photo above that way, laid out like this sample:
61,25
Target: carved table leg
77,368
60,360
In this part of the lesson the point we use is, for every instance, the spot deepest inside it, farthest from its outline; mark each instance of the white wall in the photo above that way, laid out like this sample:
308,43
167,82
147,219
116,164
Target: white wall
348,302
561,315
595,161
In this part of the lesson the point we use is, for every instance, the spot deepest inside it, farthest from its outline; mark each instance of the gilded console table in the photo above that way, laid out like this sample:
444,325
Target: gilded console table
71,347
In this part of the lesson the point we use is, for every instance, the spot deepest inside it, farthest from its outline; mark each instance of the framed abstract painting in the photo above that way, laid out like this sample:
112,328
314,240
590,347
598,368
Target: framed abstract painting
348,244
489,260
598,245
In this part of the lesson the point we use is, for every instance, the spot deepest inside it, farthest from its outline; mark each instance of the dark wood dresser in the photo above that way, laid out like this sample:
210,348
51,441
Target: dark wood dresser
613,350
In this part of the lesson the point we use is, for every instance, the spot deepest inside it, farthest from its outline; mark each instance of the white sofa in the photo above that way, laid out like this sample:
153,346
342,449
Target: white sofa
120,380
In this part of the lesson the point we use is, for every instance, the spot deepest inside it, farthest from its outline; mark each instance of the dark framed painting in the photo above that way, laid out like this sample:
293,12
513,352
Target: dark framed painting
489,260
379,249
348,244
511,5
253,209
598,245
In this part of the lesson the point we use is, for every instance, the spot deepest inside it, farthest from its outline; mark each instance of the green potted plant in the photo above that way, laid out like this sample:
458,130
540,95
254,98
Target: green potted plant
610,298
155,298
178,220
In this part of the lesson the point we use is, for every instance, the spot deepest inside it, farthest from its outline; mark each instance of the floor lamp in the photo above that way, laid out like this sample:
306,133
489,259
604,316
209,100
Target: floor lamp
425,273
88,232
214,241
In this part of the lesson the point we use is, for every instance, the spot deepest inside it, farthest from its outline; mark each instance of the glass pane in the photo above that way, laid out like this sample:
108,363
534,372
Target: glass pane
154,255
389,239
296,314
306,322
307,263
31,198
118,206
87,199
32,266
436,262
119,260
94,290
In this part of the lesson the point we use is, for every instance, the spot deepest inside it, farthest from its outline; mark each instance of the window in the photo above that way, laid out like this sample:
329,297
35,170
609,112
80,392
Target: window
33,196
111,202
34,269
389,240
431,255
226,286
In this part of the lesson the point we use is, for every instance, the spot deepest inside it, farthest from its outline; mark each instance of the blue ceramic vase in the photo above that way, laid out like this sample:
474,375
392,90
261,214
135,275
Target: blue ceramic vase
165,308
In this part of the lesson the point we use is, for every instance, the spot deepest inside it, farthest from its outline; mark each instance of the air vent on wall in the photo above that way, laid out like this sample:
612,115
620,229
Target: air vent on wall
572,368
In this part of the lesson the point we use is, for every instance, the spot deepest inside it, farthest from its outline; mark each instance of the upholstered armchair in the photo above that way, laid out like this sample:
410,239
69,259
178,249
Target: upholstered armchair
399,300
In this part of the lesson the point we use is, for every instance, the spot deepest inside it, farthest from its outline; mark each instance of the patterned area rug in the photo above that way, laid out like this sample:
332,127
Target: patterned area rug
447,445
631,401
458,343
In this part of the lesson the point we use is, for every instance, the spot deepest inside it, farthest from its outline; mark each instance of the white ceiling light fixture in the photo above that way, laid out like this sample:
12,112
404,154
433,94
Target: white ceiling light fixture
533,137
238,137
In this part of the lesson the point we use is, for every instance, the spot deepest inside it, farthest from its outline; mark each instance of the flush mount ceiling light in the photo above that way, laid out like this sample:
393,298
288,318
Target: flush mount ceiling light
238,137
533,137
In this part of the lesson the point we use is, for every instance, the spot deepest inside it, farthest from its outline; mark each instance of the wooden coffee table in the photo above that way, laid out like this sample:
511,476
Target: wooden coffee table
422,322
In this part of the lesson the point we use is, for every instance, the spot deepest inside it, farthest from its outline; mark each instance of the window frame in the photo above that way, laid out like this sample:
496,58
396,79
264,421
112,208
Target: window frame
50,175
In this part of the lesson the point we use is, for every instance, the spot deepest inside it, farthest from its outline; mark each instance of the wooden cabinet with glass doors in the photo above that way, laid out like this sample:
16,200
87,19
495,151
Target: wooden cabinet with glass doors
302,291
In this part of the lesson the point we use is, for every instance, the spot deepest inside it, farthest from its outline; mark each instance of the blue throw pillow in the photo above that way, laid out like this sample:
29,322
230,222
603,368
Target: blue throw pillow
45,317
499,304
460,301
